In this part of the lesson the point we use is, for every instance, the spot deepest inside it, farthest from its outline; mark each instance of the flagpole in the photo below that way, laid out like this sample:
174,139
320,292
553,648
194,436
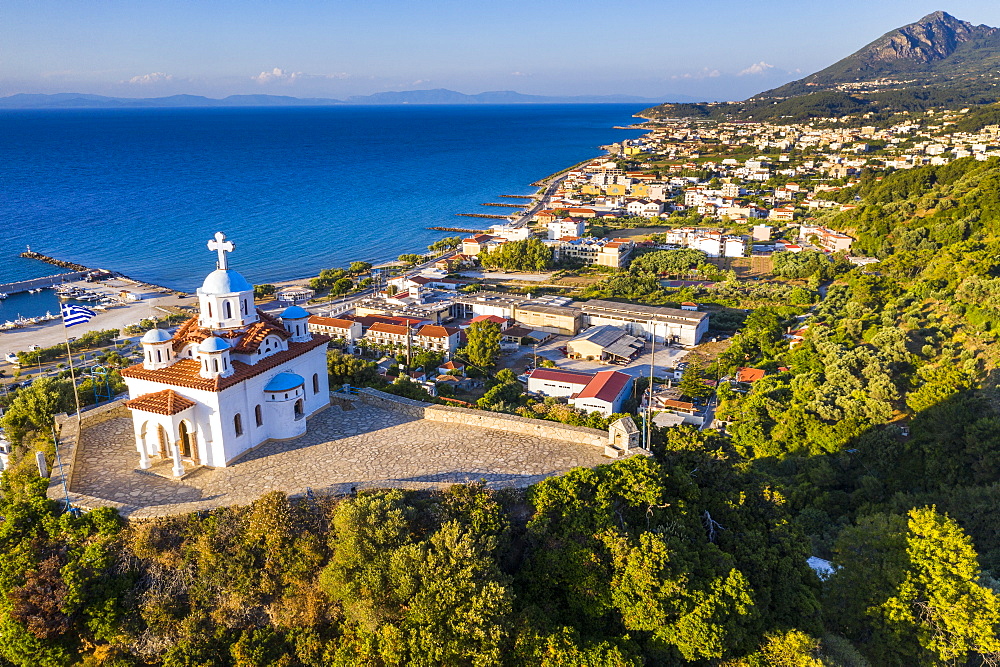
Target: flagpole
72,372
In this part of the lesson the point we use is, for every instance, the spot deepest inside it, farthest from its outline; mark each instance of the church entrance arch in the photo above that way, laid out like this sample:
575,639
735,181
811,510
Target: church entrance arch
186,438
299,409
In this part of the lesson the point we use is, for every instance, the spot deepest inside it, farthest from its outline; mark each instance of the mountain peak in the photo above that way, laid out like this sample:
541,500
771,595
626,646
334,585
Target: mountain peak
925,50
939,15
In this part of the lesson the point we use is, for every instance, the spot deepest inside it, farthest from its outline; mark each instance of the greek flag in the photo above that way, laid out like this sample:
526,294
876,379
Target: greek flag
76,315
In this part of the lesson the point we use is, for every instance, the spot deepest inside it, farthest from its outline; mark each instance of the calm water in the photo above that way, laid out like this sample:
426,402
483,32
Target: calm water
298,190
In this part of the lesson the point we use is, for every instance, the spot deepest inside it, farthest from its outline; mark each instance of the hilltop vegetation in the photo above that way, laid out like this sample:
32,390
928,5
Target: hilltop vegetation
872,441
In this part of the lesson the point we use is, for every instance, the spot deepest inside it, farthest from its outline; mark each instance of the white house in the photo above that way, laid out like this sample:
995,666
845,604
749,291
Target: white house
605,393
557,382
557,229
438,338
335,327
734,246
228,380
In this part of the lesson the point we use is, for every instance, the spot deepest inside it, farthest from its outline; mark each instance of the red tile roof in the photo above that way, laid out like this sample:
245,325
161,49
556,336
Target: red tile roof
676,405
334,322
381,327
245,342
166,402
184,372
558,375
749,374
606,386
437,331
488,318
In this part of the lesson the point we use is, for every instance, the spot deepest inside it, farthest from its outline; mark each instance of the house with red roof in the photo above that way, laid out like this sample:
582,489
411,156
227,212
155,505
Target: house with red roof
750,375
335,327
504,322
604,392
438,338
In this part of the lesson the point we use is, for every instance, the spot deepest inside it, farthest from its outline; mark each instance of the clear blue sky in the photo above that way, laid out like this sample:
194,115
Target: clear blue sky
717,49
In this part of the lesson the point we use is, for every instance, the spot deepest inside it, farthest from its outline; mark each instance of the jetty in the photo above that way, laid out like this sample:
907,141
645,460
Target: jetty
517,196
42,283
506,205
461,230
77,272
484,215
72,266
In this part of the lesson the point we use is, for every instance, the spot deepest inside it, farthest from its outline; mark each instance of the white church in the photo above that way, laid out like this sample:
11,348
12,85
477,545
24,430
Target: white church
228,380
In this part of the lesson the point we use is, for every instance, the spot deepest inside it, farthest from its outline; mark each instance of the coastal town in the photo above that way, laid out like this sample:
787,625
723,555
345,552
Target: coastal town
739,195
296,373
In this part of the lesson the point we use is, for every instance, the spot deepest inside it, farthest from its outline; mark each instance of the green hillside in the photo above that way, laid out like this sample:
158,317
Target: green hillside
935,62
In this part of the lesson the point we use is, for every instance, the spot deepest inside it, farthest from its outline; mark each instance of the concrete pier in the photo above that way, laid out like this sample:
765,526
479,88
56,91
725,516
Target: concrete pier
47,281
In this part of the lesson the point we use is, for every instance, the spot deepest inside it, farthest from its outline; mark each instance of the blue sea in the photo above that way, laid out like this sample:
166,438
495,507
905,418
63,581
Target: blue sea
297,189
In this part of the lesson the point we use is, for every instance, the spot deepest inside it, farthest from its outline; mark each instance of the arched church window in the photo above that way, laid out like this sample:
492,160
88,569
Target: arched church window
244,306
238,423
258,416
209,304
315,383
159,355
228,309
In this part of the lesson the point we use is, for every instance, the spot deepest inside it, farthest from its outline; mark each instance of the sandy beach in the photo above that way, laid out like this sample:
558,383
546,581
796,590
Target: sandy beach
51,333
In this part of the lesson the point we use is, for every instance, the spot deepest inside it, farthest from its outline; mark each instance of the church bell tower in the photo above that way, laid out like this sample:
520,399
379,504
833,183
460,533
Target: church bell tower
225,298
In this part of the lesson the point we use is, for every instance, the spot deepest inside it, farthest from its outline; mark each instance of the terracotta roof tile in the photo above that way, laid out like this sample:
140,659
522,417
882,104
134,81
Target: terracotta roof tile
166,402
381,327
437,331
606,386
184,372
335,322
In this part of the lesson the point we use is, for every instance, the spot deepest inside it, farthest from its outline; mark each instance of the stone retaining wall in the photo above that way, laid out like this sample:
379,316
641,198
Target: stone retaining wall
539,428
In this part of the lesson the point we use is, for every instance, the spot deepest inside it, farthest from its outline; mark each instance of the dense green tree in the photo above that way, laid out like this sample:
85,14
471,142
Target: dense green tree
908,590
673,262
35,407
483,344
692,384
348,369
410,258
527,255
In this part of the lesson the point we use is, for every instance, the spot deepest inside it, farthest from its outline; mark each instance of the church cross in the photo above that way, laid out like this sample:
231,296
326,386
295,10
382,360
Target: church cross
221,246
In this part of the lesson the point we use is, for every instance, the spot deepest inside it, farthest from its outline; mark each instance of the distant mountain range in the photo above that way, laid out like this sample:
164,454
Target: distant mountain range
938,61
436,96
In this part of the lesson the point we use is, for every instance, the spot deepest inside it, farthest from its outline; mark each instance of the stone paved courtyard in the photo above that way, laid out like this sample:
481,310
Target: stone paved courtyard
365,447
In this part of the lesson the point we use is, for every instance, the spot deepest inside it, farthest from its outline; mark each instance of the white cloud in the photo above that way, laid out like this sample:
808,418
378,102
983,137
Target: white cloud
420,81
756,68
152,77
704,73
278,74
519,74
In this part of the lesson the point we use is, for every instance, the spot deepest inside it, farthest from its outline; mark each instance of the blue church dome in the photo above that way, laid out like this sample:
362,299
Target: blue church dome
295,313
284,382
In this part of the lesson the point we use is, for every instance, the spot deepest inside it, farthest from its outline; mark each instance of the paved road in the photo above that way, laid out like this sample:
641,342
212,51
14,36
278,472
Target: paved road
539,204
